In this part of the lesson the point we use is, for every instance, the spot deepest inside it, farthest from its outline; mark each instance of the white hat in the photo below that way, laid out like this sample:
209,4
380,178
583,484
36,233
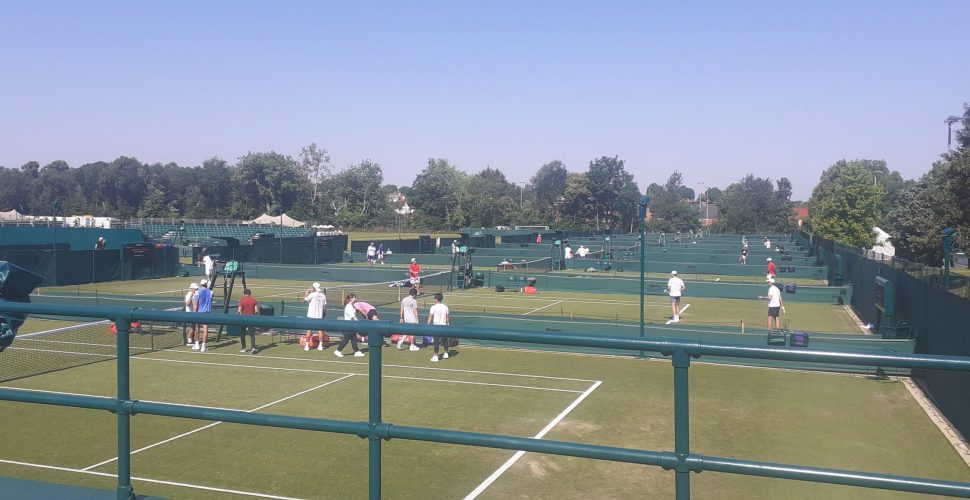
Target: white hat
316,286
194,286
204,282
769,259
674,273
770,279
413,259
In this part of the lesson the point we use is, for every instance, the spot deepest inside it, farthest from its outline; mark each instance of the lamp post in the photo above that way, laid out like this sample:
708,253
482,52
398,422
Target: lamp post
644,201
54,237
949,121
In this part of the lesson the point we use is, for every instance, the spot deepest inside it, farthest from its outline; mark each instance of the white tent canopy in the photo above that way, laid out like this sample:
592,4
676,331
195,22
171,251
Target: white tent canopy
11,215
280,220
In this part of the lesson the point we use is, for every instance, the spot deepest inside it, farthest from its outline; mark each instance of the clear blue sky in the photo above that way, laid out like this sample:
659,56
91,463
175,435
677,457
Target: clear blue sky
715,90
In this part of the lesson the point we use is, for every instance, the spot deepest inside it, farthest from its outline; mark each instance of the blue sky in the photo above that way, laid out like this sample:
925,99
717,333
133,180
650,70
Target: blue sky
715,90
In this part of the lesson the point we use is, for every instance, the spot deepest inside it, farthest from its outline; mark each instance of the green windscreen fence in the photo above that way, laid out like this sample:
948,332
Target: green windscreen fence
937,317
69,267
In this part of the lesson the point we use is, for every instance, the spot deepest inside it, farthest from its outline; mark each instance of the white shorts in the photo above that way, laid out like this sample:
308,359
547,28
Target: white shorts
415,281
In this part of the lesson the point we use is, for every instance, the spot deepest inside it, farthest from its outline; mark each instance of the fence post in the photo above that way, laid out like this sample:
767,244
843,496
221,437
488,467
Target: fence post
375,342
125,490
681,362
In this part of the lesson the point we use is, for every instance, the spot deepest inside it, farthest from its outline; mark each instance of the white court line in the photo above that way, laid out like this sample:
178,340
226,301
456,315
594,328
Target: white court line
267,405
306,370
515,458
477,372
146,480
48,351
72,327
541,308
682,309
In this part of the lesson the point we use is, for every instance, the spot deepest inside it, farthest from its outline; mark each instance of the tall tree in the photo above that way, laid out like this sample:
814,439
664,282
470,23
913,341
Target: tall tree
670,211
549,184
438,195
272,180
608,181
358,197
315,164
753,205
845,205
492,200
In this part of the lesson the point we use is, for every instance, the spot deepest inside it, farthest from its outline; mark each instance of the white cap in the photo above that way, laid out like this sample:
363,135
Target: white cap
413,259
770,279
674,273
316,286
194,286
769,259
204,282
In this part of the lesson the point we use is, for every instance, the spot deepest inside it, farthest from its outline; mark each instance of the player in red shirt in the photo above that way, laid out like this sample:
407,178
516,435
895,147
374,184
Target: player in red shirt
249,307
414,275
771,267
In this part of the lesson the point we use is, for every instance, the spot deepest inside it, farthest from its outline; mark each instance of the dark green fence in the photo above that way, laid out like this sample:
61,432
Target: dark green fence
937,317
375,430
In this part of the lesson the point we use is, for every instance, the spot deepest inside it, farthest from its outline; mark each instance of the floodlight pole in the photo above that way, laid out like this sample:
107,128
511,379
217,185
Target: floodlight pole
644,201
949,121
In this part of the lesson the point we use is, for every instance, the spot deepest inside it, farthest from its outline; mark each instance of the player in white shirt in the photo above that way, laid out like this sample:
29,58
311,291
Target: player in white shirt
190,303
316,308
409,314
775,303
209,268
675,287
350,314
371,253
438,315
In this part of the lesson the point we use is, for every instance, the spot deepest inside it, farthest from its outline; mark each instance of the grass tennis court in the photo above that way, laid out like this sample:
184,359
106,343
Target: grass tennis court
792,417
816,419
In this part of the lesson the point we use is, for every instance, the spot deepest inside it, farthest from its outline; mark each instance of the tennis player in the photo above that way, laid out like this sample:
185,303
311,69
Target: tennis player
190,332
367,310
438,315
675,287
409,314
317,309
203,304
771,267
248,307
371,253
350,314
775,303
209,269
414,275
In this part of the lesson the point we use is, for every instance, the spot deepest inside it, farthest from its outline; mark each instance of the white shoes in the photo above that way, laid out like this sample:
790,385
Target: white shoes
338,354
306,347
243,350
320,347
434,359
195,346
400,345
358,354
414,348
445,355
676,319
202,349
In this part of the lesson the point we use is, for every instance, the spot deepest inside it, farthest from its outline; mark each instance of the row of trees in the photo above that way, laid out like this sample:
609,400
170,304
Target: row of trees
854,196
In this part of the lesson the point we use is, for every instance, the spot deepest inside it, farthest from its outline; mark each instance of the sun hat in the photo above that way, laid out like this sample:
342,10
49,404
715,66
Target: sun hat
204,282
316,286
413,259
770,279
673,273
769,259
194,286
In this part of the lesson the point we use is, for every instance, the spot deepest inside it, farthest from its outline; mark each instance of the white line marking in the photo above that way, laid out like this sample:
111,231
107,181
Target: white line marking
286,358
682,309
48,351
267,405
147,480
515,458
543,307
306,370
72,327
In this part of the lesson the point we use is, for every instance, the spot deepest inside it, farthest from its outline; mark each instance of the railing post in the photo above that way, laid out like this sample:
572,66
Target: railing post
125,490
681,361
375,343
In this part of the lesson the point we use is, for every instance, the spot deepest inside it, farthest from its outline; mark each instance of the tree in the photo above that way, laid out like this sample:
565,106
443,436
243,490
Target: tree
315,164
752,206
577,204
57,166
608,180
272,180
846,203
358,197
670,211
438,194
31,168
492,200
549,184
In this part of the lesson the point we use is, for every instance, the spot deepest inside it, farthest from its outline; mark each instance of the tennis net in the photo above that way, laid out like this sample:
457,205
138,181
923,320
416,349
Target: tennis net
537,265
74,343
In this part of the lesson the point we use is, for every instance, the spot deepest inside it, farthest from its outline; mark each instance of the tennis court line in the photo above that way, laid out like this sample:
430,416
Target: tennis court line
72,327
247,356
541,308
682,309
146,480
515,458
213,424
306,370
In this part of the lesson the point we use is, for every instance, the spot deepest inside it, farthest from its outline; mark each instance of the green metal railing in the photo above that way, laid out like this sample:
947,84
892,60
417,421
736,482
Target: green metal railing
375,430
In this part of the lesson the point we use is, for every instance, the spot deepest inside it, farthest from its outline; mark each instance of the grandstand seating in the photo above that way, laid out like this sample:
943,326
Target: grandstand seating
195,232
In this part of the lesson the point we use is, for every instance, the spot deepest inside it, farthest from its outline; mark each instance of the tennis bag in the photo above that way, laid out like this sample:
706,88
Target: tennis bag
16,285
798,339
